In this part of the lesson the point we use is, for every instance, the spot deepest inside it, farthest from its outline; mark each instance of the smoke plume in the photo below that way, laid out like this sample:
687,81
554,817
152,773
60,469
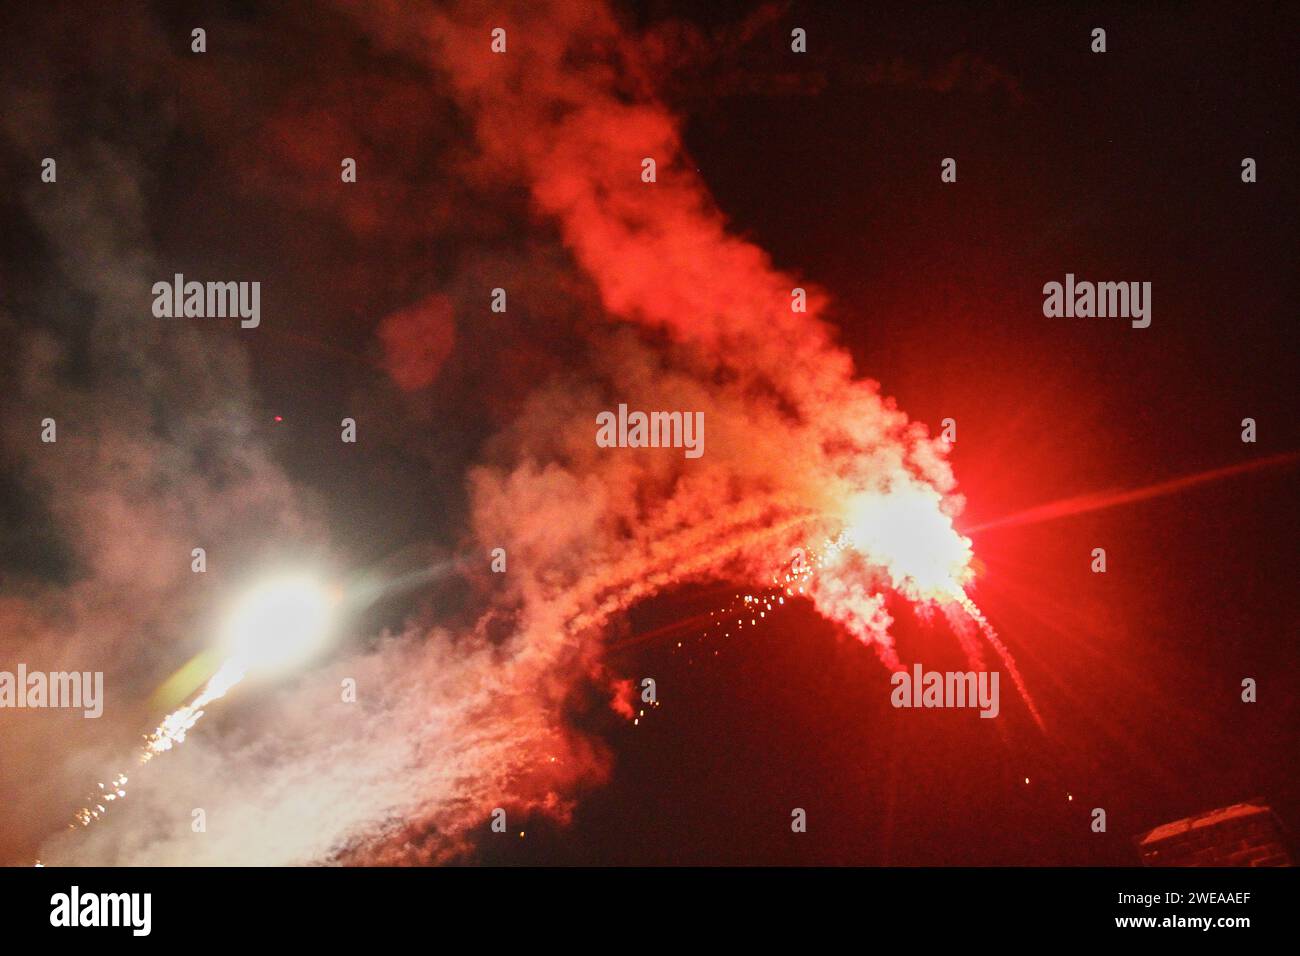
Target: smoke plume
620,291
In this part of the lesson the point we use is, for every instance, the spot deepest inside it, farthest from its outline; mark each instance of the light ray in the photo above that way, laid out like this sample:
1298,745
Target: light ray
1099,500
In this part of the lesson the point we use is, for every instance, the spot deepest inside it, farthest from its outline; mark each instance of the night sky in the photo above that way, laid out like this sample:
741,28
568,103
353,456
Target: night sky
1117,166
1122,165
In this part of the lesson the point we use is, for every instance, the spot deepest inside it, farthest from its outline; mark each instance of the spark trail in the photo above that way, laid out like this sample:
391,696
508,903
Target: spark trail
170,733
901,540
991,635
278,624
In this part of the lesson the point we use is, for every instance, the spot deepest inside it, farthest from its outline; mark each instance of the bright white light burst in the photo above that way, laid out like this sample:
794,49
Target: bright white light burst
907,532
279,624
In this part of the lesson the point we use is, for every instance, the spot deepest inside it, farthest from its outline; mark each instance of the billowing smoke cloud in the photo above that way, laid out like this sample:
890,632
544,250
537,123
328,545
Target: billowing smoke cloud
158,453
793,434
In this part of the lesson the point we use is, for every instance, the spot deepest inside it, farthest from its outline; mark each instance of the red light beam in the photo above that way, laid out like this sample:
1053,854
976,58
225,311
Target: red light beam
1097,500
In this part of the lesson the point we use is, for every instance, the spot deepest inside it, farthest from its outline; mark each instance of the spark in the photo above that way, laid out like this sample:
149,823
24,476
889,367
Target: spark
178,723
